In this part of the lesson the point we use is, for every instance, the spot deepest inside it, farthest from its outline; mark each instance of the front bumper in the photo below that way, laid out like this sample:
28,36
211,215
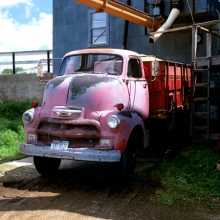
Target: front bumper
85,154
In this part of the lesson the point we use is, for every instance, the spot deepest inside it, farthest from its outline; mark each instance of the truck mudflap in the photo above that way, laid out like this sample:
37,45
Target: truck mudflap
85,154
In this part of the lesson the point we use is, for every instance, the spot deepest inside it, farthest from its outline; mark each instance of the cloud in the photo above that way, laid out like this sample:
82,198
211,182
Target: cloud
15,36
12,3
28,5
28,10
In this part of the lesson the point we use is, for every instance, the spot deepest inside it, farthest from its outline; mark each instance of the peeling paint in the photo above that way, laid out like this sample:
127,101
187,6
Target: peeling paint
81,83
52,84
127,113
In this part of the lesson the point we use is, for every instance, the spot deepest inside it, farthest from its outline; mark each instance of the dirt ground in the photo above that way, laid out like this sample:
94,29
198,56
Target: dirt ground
84,191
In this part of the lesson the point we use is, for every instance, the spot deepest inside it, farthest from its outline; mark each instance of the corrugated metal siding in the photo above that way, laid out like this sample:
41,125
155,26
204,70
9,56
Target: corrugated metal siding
71,31
70,28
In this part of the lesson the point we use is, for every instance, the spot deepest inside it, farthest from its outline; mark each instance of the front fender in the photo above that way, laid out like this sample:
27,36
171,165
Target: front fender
129,119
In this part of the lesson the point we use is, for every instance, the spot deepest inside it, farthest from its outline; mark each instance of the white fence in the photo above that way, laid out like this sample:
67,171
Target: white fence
28,60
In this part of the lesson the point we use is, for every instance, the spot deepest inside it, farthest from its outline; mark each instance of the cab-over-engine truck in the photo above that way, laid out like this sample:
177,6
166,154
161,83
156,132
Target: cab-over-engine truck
98,105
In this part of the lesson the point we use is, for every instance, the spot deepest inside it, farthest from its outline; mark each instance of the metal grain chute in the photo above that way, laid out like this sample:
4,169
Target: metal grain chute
124,11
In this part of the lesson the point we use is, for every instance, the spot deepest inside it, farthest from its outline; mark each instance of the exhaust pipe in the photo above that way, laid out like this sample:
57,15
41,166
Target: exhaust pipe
172,17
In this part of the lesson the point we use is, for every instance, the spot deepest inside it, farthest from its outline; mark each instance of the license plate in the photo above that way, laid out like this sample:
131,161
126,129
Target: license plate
59,145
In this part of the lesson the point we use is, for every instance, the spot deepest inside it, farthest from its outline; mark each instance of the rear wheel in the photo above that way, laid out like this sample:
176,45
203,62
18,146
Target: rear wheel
128,161
46,165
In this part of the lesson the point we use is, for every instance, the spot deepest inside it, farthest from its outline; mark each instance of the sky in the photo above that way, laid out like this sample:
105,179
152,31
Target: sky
25,25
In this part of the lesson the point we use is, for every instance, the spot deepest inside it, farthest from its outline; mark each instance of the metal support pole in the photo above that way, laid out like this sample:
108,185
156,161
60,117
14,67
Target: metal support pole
13,63
125,36
208,45
189,27
48,61
194,42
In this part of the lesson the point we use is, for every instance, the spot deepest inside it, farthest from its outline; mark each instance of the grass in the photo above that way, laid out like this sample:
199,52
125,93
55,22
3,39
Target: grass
11,129
191,177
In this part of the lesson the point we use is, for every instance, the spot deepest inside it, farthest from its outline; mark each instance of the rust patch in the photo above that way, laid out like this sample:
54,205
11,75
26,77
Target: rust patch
127,113
53,83
80,84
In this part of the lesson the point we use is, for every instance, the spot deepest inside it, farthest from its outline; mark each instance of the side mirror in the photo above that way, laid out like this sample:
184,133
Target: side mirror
155,68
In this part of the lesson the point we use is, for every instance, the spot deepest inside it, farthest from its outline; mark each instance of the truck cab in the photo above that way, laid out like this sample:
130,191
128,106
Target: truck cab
94,109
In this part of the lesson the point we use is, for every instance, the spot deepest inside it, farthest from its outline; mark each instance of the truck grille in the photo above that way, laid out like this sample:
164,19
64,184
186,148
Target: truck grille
77,135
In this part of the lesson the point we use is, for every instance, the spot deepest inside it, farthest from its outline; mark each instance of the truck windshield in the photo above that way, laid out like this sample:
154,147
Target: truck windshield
92,63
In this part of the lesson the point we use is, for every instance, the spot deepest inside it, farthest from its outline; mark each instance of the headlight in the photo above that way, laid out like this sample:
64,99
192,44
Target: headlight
28,116
113,122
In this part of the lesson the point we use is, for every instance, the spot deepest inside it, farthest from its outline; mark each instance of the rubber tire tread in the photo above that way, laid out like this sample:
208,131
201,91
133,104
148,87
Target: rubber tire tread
46,165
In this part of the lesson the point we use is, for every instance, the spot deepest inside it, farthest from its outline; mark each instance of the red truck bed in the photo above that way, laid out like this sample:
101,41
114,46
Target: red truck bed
169,82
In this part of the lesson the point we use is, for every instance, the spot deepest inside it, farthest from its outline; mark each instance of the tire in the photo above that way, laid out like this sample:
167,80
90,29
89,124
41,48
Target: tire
128,162
46,165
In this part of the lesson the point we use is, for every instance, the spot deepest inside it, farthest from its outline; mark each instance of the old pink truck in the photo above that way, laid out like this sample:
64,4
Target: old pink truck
97,107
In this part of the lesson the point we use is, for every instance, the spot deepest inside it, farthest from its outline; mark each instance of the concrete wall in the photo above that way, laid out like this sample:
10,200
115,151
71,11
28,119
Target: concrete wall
22,87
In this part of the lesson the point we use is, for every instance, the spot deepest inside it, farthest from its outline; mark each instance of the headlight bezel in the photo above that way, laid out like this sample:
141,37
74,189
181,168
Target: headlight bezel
30,114
113,122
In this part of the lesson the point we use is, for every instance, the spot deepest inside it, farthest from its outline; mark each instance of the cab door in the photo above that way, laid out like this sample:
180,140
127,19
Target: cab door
137,87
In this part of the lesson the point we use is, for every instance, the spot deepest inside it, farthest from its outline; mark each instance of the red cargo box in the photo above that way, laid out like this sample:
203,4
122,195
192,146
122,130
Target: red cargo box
169,82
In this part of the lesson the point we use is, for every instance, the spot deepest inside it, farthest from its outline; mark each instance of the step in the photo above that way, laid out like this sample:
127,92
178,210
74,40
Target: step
200,99
200,113
202,62
200,70
201,84
201,137
200,127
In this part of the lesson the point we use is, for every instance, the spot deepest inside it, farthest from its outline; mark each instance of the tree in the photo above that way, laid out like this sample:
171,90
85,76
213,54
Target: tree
10,71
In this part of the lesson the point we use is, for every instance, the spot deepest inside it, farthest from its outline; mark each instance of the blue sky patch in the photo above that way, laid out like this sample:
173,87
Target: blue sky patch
23,13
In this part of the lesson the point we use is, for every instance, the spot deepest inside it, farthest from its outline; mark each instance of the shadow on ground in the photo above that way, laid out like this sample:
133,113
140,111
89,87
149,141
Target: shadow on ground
84,190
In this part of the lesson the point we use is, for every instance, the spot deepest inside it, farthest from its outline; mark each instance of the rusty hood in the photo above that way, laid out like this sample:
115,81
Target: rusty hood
92,92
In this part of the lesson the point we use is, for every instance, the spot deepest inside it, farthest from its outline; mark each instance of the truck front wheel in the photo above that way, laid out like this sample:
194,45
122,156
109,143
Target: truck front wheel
46,166
128,161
